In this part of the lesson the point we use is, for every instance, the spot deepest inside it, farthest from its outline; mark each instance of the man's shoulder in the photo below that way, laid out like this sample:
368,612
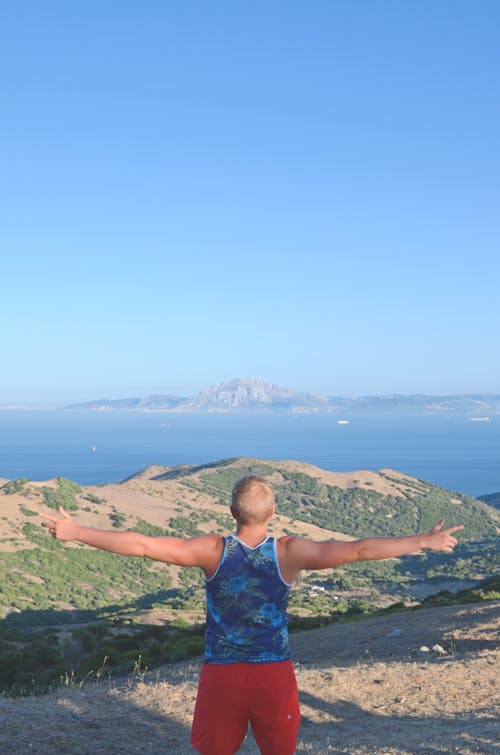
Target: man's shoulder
284,542
286,539
211,539
209,549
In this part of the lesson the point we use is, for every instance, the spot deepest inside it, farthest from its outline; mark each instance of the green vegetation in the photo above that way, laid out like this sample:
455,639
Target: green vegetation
94,498
59,586
64,495
190,576
468,561
27,512
188,471
220,481
80,577
118,520
14,486
145,528
185,526
488,589
365,513
225,522
34,664
217,478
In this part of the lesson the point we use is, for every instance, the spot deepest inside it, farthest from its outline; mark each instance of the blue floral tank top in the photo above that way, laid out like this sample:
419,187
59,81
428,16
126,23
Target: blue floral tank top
247,600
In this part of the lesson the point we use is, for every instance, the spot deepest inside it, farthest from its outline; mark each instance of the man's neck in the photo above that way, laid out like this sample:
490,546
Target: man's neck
251,536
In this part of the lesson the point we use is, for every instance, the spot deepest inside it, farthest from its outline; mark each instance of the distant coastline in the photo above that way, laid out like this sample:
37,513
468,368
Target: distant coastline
249,395
244,394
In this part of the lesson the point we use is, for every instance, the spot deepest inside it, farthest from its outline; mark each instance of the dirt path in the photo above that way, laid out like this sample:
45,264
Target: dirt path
361,692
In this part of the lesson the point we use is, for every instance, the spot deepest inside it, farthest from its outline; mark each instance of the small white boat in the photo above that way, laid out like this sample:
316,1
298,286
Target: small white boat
343,421
479,419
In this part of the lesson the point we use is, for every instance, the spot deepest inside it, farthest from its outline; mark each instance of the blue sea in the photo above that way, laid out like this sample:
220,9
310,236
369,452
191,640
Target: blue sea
93,448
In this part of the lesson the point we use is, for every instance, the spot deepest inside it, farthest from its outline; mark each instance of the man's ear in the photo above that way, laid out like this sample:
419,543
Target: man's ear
233,512
272,512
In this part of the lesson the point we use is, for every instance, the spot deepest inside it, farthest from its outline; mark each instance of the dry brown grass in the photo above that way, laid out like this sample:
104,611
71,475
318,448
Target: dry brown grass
387,700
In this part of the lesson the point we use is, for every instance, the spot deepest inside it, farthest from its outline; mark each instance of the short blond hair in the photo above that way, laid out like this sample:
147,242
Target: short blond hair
252,500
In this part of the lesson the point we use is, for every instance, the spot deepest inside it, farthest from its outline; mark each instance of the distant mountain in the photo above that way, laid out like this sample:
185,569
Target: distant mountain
230,396
244,394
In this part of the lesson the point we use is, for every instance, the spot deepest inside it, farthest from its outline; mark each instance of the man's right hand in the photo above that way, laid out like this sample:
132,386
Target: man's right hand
60,527
438,539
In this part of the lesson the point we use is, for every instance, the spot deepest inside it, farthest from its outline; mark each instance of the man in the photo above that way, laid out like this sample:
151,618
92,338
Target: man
247,674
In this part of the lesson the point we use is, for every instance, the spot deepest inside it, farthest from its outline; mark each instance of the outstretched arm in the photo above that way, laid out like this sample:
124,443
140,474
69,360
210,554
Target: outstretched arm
304,554
204,551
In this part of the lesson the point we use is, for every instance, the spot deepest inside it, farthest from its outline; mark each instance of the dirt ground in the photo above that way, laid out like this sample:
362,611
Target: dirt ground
364,688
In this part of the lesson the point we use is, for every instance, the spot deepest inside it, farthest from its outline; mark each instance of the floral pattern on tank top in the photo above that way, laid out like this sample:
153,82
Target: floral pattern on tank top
246,606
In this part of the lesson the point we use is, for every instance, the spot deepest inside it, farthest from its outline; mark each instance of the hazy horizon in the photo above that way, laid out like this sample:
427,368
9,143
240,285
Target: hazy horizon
115,397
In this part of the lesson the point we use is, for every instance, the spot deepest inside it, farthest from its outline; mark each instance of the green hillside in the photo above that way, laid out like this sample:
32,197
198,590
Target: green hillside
89,605
360,511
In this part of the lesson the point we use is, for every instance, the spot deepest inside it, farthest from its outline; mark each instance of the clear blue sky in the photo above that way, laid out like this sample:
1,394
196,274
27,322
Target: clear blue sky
301,192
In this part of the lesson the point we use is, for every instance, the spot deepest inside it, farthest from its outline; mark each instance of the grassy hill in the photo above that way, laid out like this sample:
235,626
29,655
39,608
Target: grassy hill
66,606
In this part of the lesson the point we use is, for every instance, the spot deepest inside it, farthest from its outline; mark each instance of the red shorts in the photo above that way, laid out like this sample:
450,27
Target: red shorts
230,695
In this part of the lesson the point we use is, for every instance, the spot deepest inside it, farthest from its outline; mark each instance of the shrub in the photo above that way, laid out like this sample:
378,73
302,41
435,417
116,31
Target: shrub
94,498
14,486
64,495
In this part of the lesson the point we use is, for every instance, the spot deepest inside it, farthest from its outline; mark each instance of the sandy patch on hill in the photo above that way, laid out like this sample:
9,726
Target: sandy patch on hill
136,503
389,701
12,521
304,529
358,479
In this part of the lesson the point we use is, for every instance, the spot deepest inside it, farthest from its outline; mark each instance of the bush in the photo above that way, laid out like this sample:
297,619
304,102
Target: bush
118,520
94,498
14,486
27,512
64,495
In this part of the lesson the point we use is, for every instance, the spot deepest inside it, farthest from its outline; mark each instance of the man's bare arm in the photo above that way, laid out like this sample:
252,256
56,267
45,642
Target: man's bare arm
204,551
299,554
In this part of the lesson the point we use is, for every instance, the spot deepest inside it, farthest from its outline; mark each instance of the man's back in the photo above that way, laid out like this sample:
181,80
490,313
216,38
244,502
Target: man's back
247,599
